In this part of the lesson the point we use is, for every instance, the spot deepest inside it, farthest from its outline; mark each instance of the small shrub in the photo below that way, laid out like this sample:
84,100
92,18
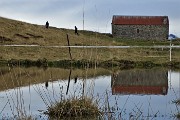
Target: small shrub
82,107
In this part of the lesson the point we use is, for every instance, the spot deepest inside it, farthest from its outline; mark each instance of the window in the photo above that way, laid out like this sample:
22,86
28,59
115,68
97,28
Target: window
137,30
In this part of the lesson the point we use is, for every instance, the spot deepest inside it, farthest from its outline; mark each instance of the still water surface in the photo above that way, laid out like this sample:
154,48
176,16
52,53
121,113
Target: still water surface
136,93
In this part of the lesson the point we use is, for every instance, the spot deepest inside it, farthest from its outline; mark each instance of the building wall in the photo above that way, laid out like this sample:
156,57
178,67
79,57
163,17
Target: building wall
150,81
155,77
156,32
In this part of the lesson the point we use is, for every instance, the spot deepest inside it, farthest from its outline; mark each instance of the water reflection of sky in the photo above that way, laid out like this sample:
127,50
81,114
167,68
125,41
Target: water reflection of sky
37,97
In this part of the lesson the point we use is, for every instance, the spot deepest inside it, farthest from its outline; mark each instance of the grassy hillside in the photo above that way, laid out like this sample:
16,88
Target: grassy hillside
17,32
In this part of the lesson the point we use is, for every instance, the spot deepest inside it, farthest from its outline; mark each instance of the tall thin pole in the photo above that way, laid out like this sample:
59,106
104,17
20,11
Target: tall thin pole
83,14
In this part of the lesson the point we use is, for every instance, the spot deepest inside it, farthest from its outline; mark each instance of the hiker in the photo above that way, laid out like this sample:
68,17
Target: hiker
76,30
47,24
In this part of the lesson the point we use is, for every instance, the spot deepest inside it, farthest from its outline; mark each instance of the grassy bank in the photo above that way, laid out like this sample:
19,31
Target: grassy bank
113,63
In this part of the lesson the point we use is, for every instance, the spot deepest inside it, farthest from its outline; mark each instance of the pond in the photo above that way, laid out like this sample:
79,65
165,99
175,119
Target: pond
132,93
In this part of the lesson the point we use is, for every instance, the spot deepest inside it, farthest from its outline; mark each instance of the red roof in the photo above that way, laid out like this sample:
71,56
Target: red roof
140,20
155,90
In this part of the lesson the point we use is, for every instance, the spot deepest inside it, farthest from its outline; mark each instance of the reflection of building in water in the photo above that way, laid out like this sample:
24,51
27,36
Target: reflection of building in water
140,82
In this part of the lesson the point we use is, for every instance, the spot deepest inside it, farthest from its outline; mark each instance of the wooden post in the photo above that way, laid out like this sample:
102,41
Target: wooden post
69,47
71,65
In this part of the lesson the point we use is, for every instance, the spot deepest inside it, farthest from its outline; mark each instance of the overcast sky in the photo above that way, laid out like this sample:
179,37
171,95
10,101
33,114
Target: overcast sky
97,13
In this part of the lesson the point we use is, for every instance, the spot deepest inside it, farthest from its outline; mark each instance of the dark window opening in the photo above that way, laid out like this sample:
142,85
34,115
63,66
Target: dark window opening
137,30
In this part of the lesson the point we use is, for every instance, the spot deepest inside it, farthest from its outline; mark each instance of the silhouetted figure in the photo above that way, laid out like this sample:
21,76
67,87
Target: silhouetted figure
46,84
76,31
47,24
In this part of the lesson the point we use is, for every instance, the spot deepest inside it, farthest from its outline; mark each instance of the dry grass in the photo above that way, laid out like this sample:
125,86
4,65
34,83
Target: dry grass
17,32
101,54
82,107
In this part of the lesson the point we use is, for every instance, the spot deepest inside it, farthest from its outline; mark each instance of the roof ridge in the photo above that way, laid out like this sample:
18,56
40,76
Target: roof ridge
140,20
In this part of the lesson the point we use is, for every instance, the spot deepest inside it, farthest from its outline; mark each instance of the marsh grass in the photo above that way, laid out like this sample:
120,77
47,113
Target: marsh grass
74,107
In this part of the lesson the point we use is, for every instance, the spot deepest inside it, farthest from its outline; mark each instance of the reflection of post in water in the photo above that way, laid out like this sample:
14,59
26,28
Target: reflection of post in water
75,80
71,65
140,82
83,88
84,83
68,81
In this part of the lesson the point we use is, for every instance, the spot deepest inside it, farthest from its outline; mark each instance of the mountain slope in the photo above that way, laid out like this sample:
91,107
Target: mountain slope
17,32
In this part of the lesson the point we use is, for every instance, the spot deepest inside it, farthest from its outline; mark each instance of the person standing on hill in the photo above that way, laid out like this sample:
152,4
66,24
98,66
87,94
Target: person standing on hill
76,31
47,24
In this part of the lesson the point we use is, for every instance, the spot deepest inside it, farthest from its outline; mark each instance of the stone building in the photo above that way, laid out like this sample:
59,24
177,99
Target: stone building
140,27
144,82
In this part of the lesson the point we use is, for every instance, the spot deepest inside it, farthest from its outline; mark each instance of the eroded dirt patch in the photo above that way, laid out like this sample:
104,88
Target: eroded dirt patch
3,39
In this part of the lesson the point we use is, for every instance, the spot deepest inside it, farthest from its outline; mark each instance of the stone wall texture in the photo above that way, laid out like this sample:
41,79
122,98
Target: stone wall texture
148,32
